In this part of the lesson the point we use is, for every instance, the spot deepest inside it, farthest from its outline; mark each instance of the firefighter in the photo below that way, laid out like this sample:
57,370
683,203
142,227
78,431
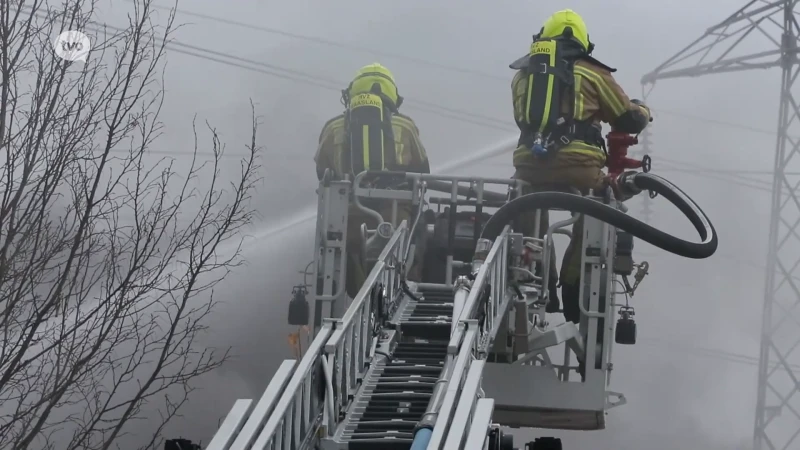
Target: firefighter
561,94
392,143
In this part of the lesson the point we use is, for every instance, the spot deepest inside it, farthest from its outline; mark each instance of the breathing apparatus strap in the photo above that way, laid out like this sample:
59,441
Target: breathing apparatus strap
551,85
561,136
370,141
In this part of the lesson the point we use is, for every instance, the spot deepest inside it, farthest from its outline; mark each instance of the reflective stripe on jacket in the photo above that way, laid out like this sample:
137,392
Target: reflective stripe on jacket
598,98
410,154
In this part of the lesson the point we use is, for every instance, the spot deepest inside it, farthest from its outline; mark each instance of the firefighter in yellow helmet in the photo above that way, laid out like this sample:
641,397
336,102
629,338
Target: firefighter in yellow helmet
561,96
392,143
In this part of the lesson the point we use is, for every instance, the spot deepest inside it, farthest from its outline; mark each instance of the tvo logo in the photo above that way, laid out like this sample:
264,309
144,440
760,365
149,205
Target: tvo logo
72,46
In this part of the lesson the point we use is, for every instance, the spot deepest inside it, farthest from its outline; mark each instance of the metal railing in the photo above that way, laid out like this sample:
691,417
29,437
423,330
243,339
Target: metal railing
245,421
492,273
481,424
349,347
470,343
298,413
292,408
467,402
467,340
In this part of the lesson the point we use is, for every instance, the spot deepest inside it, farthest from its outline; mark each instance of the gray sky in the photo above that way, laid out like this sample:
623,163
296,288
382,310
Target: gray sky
673,392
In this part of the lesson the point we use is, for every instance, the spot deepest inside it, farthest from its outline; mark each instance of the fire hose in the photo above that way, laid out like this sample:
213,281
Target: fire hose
629,184
618,219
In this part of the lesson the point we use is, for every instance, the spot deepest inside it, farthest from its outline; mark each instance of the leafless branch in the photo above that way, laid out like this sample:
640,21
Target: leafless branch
99,316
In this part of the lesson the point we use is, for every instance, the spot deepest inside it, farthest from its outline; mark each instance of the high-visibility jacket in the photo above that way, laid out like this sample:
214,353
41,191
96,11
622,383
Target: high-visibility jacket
332,152
598,98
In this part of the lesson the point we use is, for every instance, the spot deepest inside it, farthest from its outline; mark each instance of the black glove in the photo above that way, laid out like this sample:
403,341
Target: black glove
638,102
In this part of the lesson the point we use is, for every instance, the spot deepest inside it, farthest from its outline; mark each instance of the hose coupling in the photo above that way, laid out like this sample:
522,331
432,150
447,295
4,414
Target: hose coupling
626,184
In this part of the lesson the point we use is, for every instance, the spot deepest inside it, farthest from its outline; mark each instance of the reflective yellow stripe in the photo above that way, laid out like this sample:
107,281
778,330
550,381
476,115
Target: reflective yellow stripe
549,96
332,135
576,147
403,122
578,99
595,152
605,91
407,129
365,145
528,102
518,96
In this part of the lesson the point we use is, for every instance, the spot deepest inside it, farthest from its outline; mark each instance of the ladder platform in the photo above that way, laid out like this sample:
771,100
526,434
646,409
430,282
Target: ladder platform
547,402
397,389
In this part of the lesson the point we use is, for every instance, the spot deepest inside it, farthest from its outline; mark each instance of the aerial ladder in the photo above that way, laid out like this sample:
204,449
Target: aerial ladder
444,363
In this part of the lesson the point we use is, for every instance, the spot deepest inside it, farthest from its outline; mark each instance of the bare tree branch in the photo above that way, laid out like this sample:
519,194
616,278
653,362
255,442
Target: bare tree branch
99,316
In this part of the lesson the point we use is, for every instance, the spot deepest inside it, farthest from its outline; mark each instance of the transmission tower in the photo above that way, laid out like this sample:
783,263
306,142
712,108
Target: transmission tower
777,421
645,148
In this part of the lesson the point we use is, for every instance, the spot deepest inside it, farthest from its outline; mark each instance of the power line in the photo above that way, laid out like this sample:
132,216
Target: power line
723,355
292,75
245,63
329,84
421,61
723,123
321,82
328,42
735,177
481,120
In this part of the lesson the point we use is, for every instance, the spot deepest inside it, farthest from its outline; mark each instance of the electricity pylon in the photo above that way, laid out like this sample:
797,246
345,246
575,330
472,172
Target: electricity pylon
645,148
777,421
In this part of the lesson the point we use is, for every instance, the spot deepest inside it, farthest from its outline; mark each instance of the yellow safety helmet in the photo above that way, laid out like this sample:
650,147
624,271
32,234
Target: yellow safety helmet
567,22
371,78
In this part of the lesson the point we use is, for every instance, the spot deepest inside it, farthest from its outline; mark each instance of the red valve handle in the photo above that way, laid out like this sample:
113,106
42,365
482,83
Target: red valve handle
618,161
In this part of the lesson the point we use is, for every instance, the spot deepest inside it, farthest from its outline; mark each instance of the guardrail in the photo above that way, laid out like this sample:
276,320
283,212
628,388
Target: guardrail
468,399
244,422
292,409
470,342
481,424
348,349
298,412
493,272
467,335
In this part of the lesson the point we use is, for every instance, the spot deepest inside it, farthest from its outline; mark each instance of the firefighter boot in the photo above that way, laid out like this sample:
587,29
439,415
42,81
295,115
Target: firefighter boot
553,303
569,294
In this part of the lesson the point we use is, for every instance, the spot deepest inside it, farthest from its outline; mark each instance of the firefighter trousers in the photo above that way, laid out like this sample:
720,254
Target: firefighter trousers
357,269
561,179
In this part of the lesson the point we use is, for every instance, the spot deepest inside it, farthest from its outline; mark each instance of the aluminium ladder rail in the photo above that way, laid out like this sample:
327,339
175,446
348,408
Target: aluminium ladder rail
400,381
337,363
302,411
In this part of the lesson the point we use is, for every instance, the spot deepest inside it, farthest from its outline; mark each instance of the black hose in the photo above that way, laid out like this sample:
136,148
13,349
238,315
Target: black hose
618,219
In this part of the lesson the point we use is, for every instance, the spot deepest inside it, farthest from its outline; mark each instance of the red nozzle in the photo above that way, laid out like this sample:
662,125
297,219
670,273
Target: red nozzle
618,161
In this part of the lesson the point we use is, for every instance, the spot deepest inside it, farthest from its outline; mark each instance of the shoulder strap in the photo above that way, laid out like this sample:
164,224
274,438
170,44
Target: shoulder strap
521,63
594,61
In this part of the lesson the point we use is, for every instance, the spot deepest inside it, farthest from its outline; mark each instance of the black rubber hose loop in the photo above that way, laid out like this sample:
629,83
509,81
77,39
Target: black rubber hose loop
618,219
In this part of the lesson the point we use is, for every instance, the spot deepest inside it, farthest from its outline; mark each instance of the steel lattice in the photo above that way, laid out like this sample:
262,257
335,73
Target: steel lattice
777,421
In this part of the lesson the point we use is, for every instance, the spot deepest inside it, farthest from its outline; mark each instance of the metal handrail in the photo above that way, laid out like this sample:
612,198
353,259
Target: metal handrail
262,411
468,399
492,271
349,346
468,342
481,422
300,408
466,354
233,423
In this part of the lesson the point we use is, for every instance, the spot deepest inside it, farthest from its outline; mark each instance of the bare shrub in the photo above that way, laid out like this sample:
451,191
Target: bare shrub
98,314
